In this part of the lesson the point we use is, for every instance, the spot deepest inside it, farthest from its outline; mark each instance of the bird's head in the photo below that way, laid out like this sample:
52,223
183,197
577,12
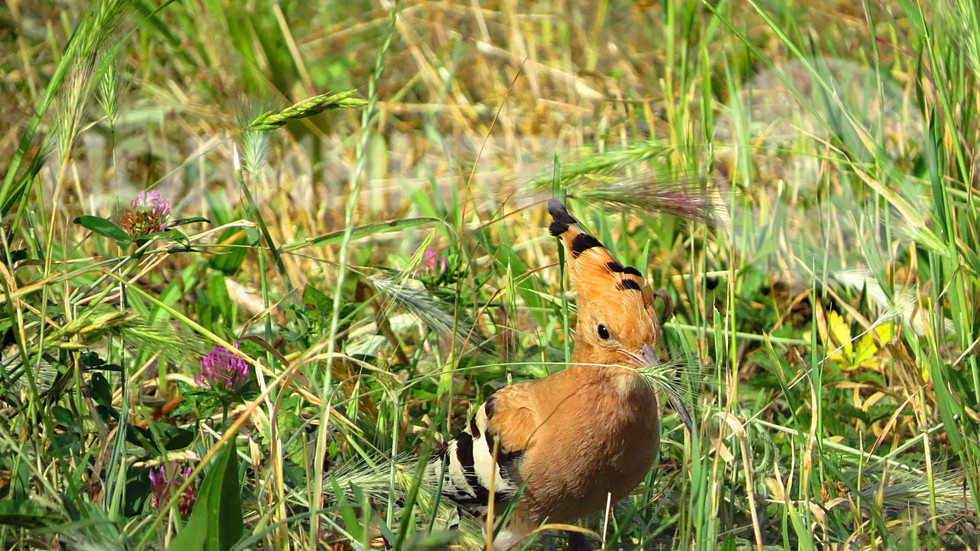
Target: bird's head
617,320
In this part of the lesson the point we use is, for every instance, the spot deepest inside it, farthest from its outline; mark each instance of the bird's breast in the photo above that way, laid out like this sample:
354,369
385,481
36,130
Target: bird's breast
599,438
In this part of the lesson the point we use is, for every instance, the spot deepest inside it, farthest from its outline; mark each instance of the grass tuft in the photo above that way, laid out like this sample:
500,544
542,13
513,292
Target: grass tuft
382,265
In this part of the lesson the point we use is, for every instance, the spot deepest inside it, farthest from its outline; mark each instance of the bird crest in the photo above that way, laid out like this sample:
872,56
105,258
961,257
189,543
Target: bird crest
615,307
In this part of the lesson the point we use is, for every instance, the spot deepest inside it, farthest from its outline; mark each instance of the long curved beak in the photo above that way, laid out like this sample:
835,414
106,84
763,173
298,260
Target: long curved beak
649,355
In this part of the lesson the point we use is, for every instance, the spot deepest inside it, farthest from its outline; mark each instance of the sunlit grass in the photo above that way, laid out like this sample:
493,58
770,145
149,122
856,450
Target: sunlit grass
798,177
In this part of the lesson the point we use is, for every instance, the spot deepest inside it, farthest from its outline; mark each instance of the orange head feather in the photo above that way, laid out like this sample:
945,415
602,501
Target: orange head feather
617,323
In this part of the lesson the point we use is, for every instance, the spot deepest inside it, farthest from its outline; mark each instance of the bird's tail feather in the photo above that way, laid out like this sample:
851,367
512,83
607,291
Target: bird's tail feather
405,482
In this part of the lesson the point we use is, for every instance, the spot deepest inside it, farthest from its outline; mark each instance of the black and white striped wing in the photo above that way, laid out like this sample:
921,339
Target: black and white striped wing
468,464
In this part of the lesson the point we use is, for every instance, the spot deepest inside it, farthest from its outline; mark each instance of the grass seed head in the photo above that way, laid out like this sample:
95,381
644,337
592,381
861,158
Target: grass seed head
307,108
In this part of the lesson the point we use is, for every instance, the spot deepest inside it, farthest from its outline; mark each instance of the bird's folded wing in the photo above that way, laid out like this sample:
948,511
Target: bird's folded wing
504,425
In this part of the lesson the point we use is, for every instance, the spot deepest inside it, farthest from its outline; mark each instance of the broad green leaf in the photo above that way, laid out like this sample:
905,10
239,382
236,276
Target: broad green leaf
103,227
216,521
314,298
157,438
101,389
24,513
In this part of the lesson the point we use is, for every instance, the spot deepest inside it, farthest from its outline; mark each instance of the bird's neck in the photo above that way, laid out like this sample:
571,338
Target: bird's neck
607,372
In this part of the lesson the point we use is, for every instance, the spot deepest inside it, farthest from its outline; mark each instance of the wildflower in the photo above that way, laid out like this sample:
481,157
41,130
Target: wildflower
432,262
221,369
148,213
167,478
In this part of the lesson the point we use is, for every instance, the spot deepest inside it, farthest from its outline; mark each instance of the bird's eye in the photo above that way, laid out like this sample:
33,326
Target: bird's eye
603,332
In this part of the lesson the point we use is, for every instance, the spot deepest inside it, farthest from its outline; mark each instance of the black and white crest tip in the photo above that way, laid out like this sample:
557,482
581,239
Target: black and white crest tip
561,220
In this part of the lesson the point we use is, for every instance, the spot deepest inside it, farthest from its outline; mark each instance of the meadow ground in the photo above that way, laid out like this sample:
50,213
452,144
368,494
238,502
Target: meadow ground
352,195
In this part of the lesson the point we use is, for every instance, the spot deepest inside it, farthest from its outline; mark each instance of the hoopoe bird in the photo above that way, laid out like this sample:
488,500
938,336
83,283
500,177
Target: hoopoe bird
576,437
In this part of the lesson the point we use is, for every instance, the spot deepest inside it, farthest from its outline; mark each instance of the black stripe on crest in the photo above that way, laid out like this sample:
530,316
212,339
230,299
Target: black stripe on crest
628,284
582,243
557,228
559,213
615,266
632,271
561,219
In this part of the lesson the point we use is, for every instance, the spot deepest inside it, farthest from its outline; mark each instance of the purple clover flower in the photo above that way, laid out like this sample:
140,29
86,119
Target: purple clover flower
148,213
432,262
167,478
222,369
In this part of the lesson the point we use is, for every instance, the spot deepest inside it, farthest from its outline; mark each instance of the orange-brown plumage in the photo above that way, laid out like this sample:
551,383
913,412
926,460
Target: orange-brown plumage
589,431
577,436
